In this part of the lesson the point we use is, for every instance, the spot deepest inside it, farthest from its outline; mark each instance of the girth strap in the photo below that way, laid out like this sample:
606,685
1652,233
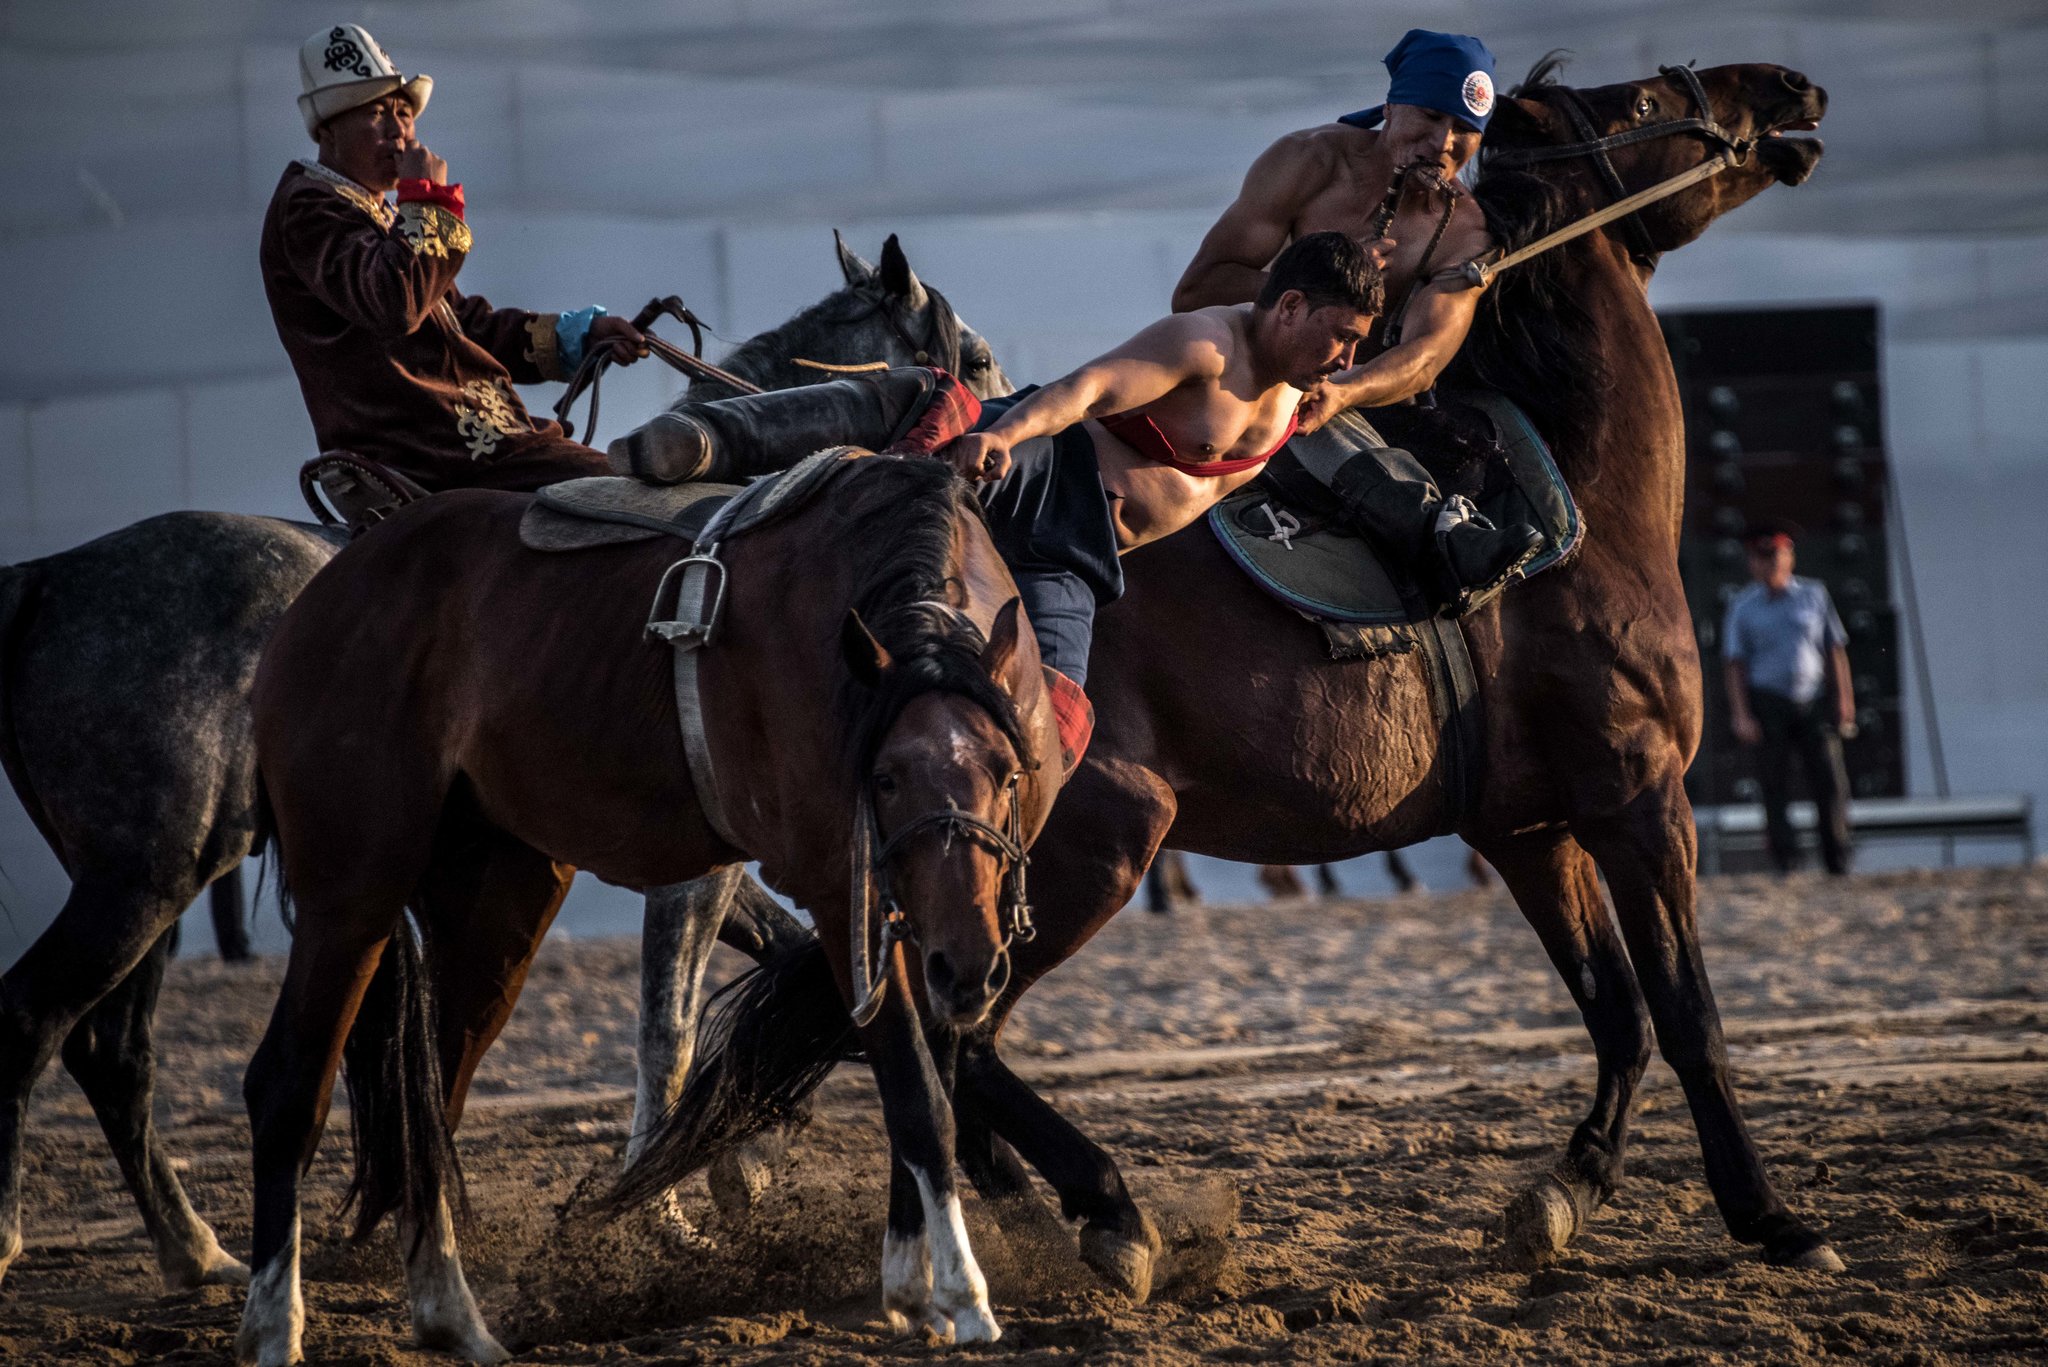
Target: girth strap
1461,722
699,604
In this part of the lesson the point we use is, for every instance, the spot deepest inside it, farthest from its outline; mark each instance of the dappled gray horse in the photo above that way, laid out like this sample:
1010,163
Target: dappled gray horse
125,667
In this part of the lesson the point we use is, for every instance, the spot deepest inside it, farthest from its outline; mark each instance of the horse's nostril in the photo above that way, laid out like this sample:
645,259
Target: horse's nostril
1796,80
998,976
938,972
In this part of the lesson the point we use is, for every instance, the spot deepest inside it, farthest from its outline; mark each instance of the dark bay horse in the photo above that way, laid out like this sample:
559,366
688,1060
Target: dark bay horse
1256,747
125,667
451,724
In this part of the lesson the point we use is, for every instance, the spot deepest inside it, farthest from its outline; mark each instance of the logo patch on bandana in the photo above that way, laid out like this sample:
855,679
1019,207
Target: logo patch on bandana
1477,93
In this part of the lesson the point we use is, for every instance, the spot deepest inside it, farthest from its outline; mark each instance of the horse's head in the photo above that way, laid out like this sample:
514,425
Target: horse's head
947,784
892,316
1657,128
954,790
884,314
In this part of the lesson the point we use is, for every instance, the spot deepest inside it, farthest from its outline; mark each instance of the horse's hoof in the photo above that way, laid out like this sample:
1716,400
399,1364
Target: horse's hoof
976,1324
1540,1224
675,1228
1808,1252
471,1343
1822,1259
210,1266
737,1181
1126,1262
10,1249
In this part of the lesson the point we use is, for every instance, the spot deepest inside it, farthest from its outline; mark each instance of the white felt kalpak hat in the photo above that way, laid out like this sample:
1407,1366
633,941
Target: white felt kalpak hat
342,67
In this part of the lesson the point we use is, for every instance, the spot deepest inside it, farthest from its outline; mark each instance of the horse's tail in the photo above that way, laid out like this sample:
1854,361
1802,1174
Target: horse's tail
404,1154
769,1039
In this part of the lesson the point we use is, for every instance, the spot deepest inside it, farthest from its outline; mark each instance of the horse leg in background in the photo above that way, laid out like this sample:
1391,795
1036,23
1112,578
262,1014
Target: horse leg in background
1282,882
487,906
1646,850
106,929
112,1055
230,928
675,948
1555,886
1399,870
929,1275
1118,813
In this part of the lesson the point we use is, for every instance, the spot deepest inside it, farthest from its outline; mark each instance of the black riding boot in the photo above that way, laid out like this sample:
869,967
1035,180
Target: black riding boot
1388,494
729,441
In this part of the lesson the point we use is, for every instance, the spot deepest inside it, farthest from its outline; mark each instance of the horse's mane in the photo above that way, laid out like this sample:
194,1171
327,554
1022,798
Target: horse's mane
902,541
1533,338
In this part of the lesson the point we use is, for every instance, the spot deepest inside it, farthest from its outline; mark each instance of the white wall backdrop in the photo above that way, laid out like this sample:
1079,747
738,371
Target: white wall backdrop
1050,165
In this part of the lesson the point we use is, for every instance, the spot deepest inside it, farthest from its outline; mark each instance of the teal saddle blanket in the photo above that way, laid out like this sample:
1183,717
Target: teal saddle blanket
1286,535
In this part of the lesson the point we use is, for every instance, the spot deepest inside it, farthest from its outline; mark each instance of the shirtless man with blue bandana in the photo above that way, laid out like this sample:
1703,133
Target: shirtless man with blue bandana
1336,178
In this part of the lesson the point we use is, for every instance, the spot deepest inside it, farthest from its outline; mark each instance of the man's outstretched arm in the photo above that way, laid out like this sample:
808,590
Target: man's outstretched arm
1230,268
1152,364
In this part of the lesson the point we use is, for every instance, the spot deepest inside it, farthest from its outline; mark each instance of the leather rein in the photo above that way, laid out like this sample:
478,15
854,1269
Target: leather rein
1734,152
690,363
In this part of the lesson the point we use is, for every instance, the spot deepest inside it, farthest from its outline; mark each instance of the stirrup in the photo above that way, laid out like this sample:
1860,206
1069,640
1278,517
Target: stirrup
347,490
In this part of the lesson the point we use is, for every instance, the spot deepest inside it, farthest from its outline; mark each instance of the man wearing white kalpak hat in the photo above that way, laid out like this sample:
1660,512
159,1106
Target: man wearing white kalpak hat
396,364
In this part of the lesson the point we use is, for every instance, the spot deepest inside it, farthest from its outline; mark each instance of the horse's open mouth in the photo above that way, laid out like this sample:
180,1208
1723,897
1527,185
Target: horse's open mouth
1790,160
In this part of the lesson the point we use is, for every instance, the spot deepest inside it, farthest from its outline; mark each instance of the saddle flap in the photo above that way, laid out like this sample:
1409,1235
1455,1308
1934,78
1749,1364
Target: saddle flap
606,510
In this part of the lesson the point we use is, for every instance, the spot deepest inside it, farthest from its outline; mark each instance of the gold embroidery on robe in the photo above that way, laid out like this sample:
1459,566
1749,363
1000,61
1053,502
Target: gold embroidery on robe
431,230
545,348
370,203
488,422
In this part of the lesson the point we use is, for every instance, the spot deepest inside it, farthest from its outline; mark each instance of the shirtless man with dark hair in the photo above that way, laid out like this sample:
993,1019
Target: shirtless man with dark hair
1337,178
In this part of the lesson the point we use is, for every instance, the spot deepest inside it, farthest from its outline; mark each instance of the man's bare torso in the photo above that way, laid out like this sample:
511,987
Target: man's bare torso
1343,185
1223,420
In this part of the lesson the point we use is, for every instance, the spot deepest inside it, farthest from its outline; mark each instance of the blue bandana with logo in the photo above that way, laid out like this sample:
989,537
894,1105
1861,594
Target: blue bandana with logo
1451,73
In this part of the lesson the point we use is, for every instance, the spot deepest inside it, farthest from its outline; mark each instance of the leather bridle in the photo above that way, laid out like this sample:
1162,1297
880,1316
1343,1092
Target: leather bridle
1594,145
872,857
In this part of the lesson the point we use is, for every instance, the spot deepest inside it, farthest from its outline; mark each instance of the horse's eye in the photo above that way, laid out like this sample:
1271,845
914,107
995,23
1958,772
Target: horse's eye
885,785
977,363
1644,107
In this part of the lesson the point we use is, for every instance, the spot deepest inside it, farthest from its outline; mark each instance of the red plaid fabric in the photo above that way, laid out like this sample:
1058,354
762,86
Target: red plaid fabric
950,411
1075,715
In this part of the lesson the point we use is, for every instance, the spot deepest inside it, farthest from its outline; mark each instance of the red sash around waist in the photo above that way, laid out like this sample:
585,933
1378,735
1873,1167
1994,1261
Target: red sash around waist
1147,440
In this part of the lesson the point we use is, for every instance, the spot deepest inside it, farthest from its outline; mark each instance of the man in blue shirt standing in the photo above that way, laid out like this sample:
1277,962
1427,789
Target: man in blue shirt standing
1784,646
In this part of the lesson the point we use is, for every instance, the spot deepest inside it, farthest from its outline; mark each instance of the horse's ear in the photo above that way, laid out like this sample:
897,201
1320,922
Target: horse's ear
897,277
856,271
1517,123
865,656
999,656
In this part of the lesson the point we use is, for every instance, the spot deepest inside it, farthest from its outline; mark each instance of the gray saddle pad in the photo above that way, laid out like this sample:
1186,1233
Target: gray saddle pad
1326,571
609,510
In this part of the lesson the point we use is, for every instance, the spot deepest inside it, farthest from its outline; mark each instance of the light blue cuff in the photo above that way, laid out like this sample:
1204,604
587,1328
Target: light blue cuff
572,330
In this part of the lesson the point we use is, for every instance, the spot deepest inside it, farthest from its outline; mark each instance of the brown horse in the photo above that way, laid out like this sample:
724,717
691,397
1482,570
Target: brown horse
1257,747
449,723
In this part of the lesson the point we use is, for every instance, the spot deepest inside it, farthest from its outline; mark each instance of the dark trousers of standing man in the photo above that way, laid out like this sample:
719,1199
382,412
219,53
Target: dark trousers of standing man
1793,728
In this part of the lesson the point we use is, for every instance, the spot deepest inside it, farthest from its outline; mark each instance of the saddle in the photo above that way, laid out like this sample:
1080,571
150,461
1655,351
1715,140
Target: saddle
347,490
611,510
1285,531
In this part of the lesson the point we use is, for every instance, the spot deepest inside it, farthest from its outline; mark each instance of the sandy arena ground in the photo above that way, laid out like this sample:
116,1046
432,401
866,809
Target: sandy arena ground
1325,1105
